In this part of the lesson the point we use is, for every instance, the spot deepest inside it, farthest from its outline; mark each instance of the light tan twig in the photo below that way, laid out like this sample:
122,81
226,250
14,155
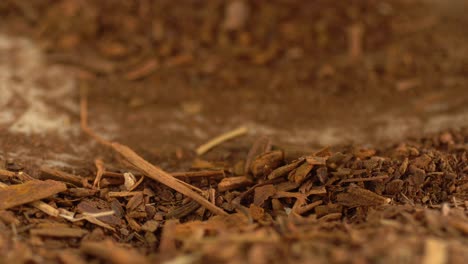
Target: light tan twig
220,139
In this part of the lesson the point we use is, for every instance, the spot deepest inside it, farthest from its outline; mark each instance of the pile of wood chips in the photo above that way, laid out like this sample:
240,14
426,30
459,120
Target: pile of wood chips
332,205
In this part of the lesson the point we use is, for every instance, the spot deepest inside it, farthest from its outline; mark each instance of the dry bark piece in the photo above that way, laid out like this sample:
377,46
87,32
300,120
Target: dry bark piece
300,210
322,210
322,174
231,183
199,174
318,190
403,166
286,186
284,170
110,252
54,174
394,187
257,213
316,160
260,146
30,191
357,196
264,164
81,192
422,161
375,178
183,210
121,194
262,193
300,174
59,232
136,202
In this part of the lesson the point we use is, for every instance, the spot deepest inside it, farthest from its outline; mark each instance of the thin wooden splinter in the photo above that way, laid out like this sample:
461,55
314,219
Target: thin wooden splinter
144,166
220,139
100,171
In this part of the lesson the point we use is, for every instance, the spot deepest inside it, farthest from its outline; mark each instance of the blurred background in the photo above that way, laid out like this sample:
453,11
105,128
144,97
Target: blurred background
165,75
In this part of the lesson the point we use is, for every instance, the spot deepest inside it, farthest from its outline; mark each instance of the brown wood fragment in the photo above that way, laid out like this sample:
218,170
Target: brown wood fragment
257,213
59,232
282,194
143,70
132,223
264,164
299,174
260,146
81,192
198,174
262,193
112,253
284,170
356,196
316,160
322,210
135,202
322,174
375,178
319,190
121,194
183,210
300,210
231,183
54,174
30,191
286,186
